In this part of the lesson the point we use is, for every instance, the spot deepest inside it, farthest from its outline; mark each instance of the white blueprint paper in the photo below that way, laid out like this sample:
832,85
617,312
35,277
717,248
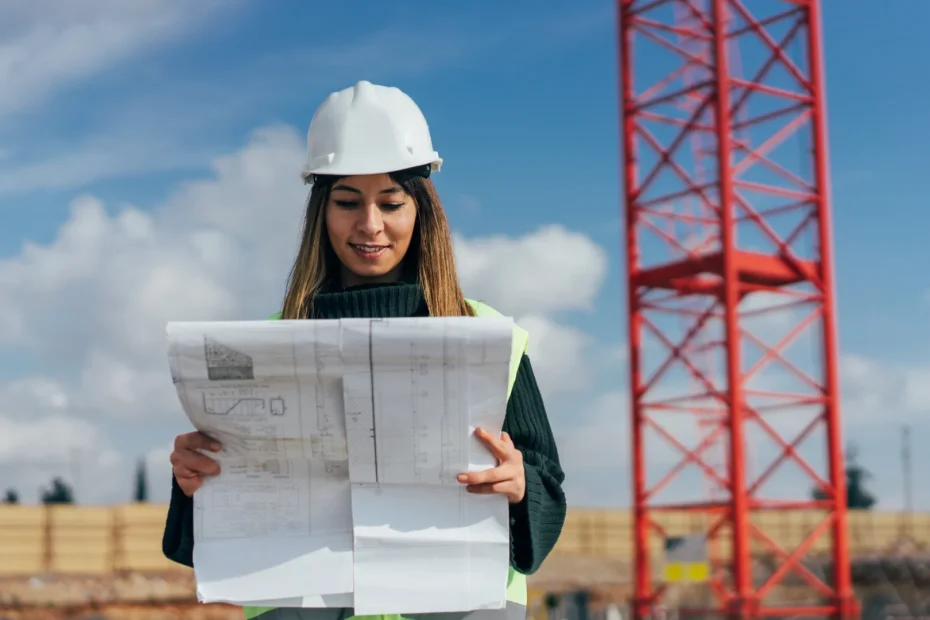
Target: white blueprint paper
331,601
276,523
415,390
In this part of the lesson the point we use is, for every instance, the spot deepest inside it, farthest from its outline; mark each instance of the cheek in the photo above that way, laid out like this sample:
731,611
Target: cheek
403,225
337,224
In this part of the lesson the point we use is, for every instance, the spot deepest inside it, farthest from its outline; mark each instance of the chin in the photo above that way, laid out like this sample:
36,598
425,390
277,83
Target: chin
371,271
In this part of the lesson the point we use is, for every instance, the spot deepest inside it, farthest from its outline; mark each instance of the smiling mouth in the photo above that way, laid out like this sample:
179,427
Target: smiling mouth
368,250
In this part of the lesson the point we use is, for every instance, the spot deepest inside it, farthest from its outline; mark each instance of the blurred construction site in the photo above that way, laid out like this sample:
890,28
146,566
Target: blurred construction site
66,561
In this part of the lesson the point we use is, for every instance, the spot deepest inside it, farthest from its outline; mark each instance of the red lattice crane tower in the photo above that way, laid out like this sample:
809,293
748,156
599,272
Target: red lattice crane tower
729,257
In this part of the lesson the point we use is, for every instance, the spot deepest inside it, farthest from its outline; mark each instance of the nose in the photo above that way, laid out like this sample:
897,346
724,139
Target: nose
369,220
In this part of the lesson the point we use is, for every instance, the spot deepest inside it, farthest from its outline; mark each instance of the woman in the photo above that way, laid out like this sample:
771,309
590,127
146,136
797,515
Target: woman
376,243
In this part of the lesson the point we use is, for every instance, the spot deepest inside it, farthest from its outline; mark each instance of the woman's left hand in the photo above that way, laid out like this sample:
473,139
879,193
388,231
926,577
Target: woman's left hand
508,478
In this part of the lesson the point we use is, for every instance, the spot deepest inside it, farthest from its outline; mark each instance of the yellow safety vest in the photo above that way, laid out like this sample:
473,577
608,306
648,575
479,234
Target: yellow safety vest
516,581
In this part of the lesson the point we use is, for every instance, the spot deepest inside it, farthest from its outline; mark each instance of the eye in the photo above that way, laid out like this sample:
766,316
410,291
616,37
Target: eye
391,206
345,204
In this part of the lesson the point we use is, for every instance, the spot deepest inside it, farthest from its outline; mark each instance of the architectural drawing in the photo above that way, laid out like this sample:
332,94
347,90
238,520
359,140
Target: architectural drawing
221,402
341,443
255,509
414,390
223,406
410,398
358,401
279,512
225,363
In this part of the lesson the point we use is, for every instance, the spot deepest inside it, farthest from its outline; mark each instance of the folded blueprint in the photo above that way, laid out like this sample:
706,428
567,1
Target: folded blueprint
342,440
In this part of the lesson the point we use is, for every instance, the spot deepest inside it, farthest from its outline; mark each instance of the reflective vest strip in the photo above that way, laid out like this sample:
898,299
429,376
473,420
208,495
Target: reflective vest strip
512,611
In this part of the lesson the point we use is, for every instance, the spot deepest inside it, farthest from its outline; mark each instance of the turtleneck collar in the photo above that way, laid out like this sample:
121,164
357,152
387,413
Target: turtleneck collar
395,299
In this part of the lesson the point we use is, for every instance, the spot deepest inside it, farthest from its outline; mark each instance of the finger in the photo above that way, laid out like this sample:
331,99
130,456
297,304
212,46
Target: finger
198,462
491,488
197,441
498,448
183,473
507,441
495,474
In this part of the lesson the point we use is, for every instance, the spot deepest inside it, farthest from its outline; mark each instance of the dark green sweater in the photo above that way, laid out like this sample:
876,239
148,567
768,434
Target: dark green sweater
535,523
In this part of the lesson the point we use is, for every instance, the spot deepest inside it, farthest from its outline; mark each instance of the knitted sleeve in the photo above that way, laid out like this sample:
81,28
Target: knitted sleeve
177,542
536,522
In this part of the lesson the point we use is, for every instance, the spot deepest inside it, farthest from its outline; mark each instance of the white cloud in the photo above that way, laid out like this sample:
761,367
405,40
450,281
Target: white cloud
95,476
594,448
597,436
559,353
877,392
92,303
594,440
47,45
34,394
216,249
150,147
530,277
548,270
40,438
158,472
40,441
877,399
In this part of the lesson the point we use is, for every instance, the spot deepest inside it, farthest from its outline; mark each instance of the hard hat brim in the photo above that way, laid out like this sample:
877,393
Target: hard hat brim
434,164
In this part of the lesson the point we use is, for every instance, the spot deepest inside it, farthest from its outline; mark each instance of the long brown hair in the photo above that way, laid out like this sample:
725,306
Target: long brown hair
430,252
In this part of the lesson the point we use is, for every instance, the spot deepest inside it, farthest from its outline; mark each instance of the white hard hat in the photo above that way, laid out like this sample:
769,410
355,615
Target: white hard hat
368,129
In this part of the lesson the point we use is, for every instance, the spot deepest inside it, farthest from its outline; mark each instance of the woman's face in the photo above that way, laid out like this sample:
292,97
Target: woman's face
370,221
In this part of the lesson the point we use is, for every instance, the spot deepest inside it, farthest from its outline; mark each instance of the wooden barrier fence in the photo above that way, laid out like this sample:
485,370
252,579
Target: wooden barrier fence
79,539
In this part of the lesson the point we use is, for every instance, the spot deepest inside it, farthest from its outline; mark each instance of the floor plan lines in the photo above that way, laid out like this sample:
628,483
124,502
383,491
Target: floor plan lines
453,443
432,382
276,522
427,413
242,402
358,402
329,439
418,427
217,405
258,508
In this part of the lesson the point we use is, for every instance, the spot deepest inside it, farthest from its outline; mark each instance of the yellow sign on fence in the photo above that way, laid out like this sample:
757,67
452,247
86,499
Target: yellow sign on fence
687,572
686,559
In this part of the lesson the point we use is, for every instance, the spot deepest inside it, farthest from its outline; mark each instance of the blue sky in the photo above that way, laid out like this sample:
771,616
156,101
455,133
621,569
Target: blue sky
523,108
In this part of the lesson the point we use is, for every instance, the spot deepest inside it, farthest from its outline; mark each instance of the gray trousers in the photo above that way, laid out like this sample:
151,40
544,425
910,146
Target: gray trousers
512,611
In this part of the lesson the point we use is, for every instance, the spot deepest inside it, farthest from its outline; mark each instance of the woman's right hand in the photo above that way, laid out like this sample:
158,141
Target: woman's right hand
189,465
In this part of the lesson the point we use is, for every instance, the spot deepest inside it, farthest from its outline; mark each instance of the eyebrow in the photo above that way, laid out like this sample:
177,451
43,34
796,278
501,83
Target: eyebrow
349,188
